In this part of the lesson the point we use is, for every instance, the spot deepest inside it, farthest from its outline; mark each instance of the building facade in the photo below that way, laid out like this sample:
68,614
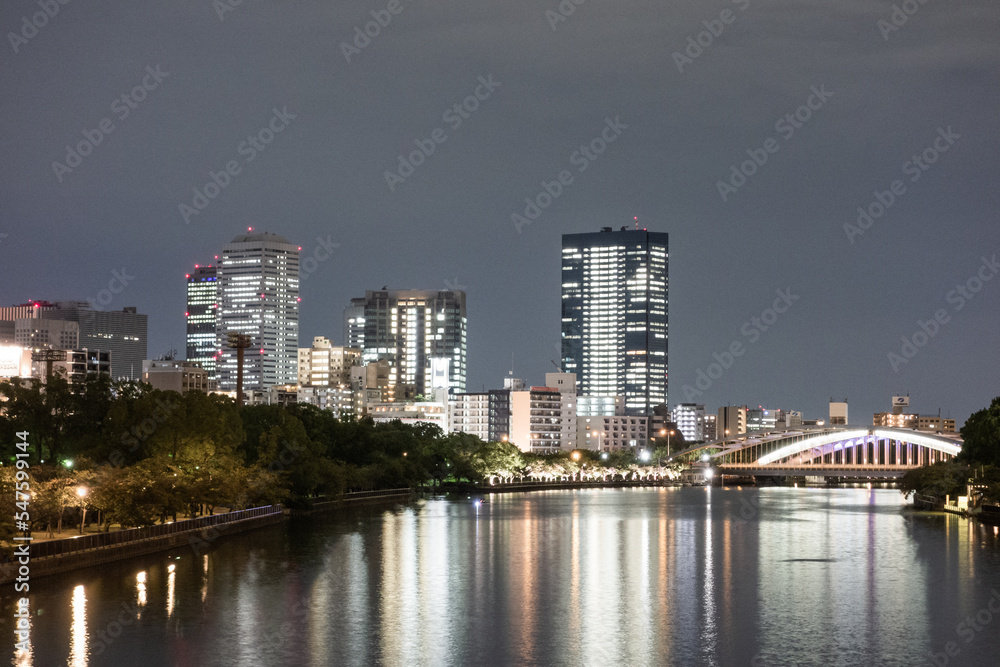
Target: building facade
324,364
612,433
542,420
614,315
37,333
179,376
420,333
838,413
470,413
258,296
122,333
732,421
202,316
690,420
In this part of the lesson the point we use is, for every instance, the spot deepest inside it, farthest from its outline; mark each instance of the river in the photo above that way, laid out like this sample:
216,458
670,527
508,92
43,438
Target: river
652,576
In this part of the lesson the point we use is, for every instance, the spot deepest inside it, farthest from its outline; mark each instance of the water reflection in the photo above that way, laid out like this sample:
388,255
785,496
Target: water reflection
78,632
636,576
171,584
23,655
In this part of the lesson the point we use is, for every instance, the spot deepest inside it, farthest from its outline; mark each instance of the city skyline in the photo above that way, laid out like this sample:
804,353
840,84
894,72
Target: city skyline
593,120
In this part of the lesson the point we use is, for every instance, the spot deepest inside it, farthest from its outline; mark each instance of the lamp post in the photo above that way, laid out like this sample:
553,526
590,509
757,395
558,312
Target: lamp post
82,492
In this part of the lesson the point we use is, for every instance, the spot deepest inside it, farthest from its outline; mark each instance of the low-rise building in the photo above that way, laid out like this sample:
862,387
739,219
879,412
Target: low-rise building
612,433
179,376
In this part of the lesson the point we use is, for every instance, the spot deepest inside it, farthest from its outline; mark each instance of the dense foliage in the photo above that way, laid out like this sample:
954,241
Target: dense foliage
978,463
133,455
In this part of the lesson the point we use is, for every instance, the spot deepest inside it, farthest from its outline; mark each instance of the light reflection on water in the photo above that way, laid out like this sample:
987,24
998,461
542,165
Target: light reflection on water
629,576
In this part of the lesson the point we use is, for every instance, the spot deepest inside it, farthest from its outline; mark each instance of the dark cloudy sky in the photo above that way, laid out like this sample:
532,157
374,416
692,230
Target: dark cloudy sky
450,223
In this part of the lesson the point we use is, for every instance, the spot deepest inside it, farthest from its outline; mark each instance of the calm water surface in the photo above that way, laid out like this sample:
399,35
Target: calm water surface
686,576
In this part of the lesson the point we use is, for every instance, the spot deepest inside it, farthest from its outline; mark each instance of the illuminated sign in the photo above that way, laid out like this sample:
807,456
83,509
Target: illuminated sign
14,361
439,372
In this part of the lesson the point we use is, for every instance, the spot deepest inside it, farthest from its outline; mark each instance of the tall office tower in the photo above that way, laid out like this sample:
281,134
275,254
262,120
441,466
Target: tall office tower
421,333
614,315
202,307
258,296
120,332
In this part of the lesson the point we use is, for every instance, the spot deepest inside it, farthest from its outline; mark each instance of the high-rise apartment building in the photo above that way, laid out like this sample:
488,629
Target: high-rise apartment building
614,315
202,319
543,420
421,333
258,296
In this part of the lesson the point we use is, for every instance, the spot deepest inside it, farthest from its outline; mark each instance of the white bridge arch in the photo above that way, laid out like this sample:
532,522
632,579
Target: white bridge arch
829,452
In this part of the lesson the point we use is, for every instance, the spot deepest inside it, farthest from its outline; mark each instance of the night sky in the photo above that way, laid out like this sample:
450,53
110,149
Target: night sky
684,114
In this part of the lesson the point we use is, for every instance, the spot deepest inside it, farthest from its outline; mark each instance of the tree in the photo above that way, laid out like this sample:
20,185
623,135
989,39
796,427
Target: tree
947,478
981,434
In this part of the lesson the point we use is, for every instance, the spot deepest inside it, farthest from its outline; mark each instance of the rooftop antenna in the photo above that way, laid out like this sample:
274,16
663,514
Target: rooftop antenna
636,223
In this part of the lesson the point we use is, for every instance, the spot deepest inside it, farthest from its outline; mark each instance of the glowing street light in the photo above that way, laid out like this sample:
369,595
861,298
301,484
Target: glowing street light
82,492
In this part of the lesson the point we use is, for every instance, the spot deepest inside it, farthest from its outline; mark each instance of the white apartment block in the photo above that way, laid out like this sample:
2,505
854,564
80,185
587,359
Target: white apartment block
470,413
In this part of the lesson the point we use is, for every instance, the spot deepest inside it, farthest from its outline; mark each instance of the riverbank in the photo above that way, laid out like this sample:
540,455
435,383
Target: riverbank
55,556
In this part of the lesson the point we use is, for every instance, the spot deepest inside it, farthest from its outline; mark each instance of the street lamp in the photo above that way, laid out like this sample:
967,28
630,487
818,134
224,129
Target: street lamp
82,492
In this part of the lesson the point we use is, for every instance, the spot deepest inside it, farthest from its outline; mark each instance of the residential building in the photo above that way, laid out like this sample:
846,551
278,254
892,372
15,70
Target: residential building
690,420
420,333
612,433
202,316
614,315
470,413
543,420
258,297
732,421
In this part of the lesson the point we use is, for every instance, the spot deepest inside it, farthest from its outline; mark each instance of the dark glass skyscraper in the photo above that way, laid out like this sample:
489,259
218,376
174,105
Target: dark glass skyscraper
614,315
202,308
421,333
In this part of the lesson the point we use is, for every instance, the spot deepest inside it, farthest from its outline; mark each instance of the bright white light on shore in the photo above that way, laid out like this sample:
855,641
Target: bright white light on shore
709,474
705,457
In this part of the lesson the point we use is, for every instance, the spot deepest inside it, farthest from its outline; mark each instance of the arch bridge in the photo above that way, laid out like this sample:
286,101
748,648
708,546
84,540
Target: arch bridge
875,452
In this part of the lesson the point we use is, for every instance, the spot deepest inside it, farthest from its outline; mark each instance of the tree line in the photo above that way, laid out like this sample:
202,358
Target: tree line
978,463
133,455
